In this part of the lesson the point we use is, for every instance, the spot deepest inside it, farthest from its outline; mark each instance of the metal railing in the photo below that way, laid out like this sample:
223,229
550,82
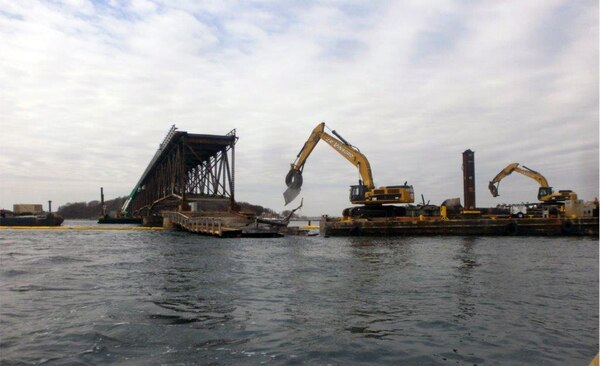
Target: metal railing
197,224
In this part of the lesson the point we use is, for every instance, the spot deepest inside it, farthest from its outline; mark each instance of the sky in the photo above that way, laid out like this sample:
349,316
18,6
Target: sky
89,89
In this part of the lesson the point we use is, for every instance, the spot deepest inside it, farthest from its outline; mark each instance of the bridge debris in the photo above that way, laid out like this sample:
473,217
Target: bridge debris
221,224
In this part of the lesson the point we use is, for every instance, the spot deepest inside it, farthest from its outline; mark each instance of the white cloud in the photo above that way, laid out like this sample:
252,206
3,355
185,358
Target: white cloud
88,90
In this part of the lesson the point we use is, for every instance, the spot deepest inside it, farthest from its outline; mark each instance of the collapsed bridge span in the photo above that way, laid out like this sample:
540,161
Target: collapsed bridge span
186,168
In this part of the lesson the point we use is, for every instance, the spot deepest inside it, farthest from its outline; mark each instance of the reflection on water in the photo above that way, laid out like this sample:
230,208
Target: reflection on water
465,287
175,298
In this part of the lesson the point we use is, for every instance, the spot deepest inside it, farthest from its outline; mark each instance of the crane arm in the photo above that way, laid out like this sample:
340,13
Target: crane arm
349,152
514,167
308,147
542,181
354,156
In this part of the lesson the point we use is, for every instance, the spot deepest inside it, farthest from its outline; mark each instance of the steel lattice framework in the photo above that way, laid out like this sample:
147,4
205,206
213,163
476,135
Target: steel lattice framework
186,168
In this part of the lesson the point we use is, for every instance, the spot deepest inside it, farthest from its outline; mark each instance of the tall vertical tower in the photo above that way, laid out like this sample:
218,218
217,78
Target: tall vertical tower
468,168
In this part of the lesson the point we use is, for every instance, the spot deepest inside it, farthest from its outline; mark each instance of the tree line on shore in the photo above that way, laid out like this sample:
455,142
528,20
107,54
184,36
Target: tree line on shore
89,210
93,209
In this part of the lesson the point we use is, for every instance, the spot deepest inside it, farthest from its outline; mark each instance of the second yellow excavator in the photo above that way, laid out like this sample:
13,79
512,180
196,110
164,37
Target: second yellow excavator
364,193
545,192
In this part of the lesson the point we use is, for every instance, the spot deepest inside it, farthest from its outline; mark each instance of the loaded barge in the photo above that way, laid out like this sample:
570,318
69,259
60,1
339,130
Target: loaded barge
31,220
30,215
558,212
561,214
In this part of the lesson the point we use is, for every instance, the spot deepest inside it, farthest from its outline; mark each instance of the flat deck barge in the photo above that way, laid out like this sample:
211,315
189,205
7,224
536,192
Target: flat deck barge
406,226
31,220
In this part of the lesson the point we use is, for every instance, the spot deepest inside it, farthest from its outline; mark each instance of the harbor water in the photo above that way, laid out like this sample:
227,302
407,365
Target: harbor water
173,298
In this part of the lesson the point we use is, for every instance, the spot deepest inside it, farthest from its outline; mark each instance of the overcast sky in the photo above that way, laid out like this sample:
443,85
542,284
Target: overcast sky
88,90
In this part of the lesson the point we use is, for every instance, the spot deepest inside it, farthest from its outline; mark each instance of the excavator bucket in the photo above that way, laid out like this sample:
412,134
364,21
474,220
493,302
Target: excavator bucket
290,194
493,189
293,180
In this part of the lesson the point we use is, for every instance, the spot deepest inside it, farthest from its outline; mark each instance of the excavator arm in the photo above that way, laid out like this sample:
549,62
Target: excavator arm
514,167
545,192
294,177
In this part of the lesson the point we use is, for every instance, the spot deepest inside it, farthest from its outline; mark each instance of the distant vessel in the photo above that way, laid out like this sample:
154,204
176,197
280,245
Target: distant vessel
49,219
30,215
114,218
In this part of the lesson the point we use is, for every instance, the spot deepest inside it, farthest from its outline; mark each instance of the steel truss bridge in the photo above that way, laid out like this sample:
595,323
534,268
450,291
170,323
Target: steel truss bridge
186,168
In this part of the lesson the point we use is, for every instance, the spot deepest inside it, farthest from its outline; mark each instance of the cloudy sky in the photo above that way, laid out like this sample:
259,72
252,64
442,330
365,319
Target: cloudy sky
88,90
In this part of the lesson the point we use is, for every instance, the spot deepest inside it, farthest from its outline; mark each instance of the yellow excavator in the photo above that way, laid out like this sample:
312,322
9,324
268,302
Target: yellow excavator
364,193
545,192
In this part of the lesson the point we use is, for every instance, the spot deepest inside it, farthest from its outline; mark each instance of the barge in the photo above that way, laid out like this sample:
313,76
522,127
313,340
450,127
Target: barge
24,214
49,219
563,215
483,226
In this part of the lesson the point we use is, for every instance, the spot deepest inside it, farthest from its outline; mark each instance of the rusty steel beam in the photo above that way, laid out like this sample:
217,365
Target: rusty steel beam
469,179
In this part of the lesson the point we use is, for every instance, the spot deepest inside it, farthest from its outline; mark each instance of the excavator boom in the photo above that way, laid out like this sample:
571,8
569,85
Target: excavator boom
364,192
514,167
349,152
545,192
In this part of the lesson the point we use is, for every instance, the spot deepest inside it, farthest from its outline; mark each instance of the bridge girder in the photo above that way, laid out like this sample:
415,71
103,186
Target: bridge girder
186,168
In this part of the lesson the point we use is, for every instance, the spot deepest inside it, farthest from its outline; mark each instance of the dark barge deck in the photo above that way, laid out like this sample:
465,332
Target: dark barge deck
32,220
406,226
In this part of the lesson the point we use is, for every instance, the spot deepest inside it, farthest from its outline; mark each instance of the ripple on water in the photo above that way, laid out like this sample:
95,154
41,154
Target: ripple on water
14,273
27,288
174,298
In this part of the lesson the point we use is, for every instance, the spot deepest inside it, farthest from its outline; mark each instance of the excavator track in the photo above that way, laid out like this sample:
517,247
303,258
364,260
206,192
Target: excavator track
371,211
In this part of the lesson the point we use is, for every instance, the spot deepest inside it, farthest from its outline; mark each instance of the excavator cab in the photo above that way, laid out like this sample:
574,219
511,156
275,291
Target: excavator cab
544,192
361,194
357,193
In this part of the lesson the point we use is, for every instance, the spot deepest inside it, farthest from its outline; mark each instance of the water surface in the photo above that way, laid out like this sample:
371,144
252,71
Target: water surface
144,298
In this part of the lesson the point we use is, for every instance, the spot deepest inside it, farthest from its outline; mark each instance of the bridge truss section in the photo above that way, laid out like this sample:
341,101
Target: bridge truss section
186,168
